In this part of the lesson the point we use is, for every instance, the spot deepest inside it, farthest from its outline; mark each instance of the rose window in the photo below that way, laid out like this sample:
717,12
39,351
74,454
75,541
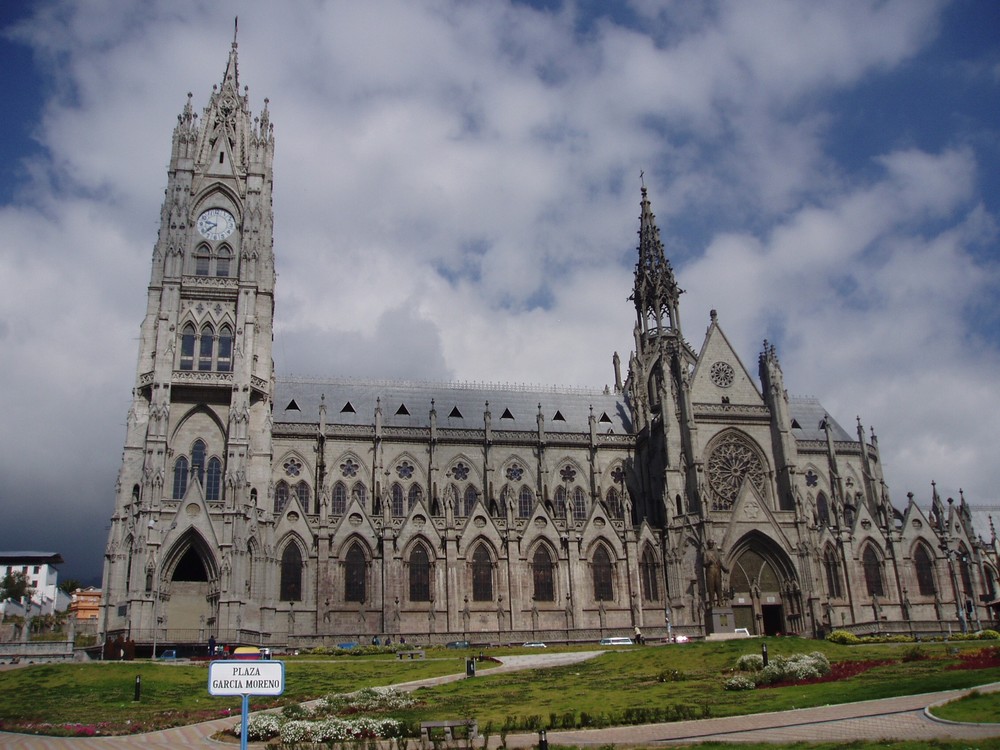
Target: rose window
568,473
405,470
722,374
349,468
514,473
460,472
293,467
732,461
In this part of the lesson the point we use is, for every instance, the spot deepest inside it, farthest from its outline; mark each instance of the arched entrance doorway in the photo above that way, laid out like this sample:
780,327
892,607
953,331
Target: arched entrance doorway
764,587
189,615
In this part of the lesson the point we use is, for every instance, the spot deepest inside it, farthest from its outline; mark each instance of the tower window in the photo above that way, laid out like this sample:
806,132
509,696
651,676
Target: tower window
205,348
187,347
225,359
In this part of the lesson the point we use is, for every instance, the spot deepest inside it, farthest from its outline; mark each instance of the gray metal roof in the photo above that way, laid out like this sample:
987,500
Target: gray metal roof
458,405
809,414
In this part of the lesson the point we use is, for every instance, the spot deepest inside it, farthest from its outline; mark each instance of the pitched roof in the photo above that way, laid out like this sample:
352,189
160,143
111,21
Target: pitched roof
458,405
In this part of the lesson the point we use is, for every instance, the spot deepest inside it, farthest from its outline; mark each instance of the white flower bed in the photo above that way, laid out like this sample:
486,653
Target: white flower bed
796,667
263,727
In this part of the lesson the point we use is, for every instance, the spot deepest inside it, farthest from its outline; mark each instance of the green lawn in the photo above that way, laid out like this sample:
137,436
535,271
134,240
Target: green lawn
638,686
975,708
176,694
629,685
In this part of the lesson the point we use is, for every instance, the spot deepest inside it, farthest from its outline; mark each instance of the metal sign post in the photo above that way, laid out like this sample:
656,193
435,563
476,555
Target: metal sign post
245,678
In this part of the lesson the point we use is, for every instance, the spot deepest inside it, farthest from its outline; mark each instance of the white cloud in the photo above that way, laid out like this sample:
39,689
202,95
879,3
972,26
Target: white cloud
456,195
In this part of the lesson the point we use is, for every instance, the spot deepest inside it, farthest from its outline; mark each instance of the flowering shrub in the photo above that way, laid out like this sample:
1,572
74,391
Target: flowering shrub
368,700
750,663
794,668
261,727
740,682
843,637
297,724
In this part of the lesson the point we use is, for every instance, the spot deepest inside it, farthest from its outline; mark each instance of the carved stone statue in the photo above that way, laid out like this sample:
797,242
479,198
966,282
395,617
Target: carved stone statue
713,572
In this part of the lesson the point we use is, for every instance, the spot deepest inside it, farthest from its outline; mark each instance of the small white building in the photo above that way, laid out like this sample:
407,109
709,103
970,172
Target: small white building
43,579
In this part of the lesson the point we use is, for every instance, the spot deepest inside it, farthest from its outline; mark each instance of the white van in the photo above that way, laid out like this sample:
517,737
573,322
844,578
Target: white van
616,641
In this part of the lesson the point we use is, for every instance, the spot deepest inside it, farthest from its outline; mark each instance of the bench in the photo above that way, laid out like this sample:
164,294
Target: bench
414,654
426,727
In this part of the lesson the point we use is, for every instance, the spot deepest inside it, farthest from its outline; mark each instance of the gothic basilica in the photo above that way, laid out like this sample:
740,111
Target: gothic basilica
694,497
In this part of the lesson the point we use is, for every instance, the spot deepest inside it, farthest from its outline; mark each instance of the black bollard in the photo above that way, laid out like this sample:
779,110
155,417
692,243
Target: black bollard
543,741
138,687
763,652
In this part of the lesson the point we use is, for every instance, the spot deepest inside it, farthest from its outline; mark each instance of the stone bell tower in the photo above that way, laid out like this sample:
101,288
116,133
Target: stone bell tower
197,453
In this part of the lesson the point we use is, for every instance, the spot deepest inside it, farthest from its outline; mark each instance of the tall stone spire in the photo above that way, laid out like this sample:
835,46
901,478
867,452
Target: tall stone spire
656,292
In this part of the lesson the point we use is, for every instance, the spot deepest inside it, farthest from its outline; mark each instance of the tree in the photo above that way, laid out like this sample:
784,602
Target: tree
15,586
69,585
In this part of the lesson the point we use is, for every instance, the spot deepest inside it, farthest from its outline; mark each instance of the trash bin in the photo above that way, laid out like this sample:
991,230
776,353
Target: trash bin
470,667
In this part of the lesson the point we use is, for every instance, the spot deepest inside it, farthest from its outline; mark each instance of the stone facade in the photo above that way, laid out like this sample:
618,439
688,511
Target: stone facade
289,512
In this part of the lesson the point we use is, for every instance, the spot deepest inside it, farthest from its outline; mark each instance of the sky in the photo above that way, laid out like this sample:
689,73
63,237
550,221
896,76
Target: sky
456,198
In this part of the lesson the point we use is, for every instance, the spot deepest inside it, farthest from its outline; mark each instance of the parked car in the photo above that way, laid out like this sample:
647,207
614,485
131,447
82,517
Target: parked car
680,639
534,644
458,644
617,641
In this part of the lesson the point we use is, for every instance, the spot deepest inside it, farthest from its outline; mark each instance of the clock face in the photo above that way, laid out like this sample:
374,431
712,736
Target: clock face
216,224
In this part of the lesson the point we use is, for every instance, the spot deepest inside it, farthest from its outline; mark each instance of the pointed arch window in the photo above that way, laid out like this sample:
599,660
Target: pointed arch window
603,589
180,477
822,511
290,589
525,502
354,574
202,260
223,261
224,362
470,499
188,336
302,495
613,502
397,499
415,496
649,575
482,575
541,574
339,505
198,461
213,480
924,565
206,345
832,568
579,504
420,575
873,572
280,497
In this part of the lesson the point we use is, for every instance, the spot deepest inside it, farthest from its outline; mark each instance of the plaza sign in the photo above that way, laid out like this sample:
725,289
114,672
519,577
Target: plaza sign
246,678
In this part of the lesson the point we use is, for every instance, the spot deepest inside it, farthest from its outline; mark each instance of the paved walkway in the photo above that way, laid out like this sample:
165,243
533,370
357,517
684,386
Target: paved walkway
891,718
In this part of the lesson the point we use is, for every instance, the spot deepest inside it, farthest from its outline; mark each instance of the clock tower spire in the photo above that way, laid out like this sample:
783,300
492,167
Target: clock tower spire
197,448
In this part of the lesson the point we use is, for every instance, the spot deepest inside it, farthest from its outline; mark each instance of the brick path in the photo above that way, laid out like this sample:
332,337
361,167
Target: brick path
901,718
